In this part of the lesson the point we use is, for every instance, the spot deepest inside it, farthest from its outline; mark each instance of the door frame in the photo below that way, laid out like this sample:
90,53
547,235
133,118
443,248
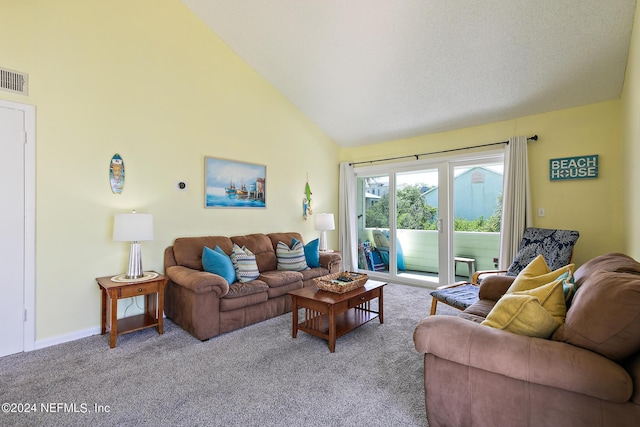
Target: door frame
445,166
29,325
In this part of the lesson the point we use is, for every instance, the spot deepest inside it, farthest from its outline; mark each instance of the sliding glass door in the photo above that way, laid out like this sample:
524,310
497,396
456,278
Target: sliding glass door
399,232
477,212
429,223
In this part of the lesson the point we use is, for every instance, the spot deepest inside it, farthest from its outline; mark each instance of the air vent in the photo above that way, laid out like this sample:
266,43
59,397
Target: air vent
13,81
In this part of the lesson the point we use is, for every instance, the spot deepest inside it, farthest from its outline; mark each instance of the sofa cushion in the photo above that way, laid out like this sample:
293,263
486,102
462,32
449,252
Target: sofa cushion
494,286
284,290
242,289
291,258
244,262
283,237
217,262
312,273
604,315
522,314
276,278
535,274
188,250
613,262
244,294
260,245
479,309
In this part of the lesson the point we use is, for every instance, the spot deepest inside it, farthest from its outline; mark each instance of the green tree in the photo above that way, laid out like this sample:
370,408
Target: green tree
415,214
377,216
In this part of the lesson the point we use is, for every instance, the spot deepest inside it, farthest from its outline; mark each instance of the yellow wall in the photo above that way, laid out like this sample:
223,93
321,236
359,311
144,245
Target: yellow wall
149,81
593,207
631,139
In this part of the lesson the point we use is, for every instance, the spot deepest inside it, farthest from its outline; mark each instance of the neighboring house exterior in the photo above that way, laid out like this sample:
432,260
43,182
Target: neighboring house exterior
476,193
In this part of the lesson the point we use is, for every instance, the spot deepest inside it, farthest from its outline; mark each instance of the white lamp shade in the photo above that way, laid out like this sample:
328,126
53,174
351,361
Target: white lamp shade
324,222
132,227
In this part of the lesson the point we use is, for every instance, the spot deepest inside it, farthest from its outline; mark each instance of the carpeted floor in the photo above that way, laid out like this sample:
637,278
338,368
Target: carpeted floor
256,376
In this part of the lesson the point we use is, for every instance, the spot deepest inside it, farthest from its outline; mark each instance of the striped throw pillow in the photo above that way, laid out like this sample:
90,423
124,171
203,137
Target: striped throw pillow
244,262
291,258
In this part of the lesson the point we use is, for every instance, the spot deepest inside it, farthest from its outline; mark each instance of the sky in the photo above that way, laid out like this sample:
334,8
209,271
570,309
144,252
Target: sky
431,178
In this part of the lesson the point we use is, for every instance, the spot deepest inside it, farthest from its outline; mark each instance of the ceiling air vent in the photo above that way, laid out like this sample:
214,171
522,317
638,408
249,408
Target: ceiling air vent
13,81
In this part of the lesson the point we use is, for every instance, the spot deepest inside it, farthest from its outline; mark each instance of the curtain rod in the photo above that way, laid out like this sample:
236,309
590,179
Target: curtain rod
531,138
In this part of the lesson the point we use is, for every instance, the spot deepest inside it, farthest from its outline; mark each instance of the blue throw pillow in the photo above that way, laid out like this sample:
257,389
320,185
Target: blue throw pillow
217,262
311,252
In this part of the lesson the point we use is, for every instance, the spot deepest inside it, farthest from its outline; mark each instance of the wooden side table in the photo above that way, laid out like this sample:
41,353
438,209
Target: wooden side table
153,291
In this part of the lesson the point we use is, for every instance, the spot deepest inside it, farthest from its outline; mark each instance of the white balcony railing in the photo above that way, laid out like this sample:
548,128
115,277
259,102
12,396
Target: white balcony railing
420,248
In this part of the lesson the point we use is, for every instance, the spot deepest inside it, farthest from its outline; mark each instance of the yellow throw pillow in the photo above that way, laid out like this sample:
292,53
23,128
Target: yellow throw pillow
536,274
523,315
551,297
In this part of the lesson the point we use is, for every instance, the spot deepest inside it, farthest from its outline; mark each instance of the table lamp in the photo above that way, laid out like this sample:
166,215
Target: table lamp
133,227
324,222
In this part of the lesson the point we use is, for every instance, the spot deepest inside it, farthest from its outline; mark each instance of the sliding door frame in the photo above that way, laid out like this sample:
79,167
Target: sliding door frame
445,166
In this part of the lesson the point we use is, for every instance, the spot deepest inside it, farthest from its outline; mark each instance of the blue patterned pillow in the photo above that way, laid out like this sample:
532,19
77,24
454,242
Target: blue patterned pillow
291,258
244,262
217,262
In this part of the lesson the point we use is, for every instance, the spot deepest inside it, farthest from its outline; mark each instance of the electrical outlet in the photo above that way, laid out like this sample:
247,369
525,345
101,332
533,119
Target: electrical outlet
181,185
541,212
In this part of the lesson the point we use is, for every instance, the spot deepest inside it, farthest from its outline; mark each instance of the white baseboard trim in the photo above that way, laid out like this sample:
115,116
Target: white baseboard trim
48,342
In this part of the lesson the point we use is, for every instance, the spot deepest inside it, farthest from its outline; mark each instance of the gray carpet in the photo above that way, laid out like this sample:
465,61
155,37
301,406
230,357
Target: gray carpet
256,376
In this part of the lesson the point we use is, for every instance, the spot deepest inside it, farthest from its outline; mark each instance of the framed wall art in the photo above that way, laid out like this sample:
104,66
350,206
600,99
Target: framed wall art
234,184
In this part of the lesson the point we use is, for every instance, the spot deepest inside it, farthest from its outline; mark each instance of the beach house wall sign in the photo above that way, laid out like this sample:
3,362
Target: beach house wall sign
580,167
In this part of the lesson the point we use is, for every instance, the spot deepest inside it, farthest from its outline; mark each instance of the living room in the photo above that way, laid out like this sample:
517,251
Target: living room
163,91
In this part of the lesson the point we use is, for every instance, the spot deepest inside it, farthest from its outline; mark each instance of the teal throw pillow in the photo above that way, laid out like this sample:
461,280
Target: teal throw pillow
244,262
291,258
311,252
217,262
568,287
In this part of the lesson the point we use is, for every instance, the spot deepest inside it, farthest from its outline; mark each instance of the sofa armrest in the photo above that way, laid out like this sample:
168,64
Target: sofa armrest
493,287
199,282
331,261
535,360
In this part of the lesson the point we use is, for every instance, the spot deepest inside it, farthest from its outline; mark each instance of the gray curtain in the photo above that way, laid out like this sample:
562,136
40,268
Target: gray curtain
347,213
516,200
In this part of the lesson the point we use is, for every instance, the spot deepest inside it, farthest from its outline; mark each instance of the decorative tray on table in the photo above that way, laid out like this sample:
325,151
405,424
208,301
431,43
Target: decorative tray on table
341,282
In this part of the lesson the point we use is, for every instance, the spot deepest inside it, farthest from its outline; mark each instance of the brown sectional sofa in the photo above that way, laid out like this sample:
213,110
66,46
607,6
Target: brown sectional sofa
205,305
586,374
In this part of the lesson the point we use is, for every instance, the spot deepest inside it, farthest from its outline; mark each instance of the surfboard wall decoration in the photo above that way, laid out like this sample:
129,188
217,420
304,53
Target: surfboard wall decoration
116,174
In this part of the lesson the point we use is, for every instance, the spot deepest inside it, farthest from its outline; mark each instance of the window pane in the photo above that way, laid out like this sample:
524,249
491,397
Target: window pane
477,212
373,214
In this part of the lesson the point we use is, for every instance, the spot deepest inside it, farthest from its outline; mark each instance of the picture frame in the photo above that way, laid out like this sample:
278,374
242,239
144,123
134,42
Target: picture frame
234,184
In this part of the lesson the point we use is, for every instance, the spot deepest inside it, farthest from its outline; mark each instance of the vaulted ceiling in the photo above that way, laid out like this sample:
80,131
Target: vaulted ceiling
368,71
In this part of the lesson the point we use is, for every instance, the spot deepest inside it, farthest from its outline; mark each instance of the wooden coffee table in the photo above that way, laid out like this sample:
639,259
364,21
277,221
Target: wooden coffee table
329,315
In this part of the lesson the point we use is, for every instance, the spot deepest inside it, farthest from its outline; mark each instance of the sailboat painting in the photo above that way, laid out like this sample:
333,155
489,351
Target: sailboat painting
233,184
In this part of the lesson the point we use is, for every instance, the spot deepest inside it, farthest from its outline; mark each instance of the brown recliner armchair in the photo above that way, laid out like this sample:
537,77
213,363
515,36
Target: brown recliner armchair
586,374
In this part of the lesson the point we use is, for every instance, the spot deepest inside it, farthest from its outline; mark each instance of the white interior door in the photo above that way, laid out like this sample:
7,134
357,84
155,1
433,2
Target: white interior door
12,229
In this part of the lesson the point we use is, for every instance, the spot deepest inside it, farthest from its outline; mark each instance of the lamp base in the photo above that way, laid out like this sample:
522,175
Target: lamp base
134,270
323,241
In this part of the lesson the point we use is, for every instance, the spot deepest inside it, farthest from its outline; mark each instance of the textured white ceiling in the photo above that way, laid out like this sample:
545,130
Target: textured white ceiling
368,71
